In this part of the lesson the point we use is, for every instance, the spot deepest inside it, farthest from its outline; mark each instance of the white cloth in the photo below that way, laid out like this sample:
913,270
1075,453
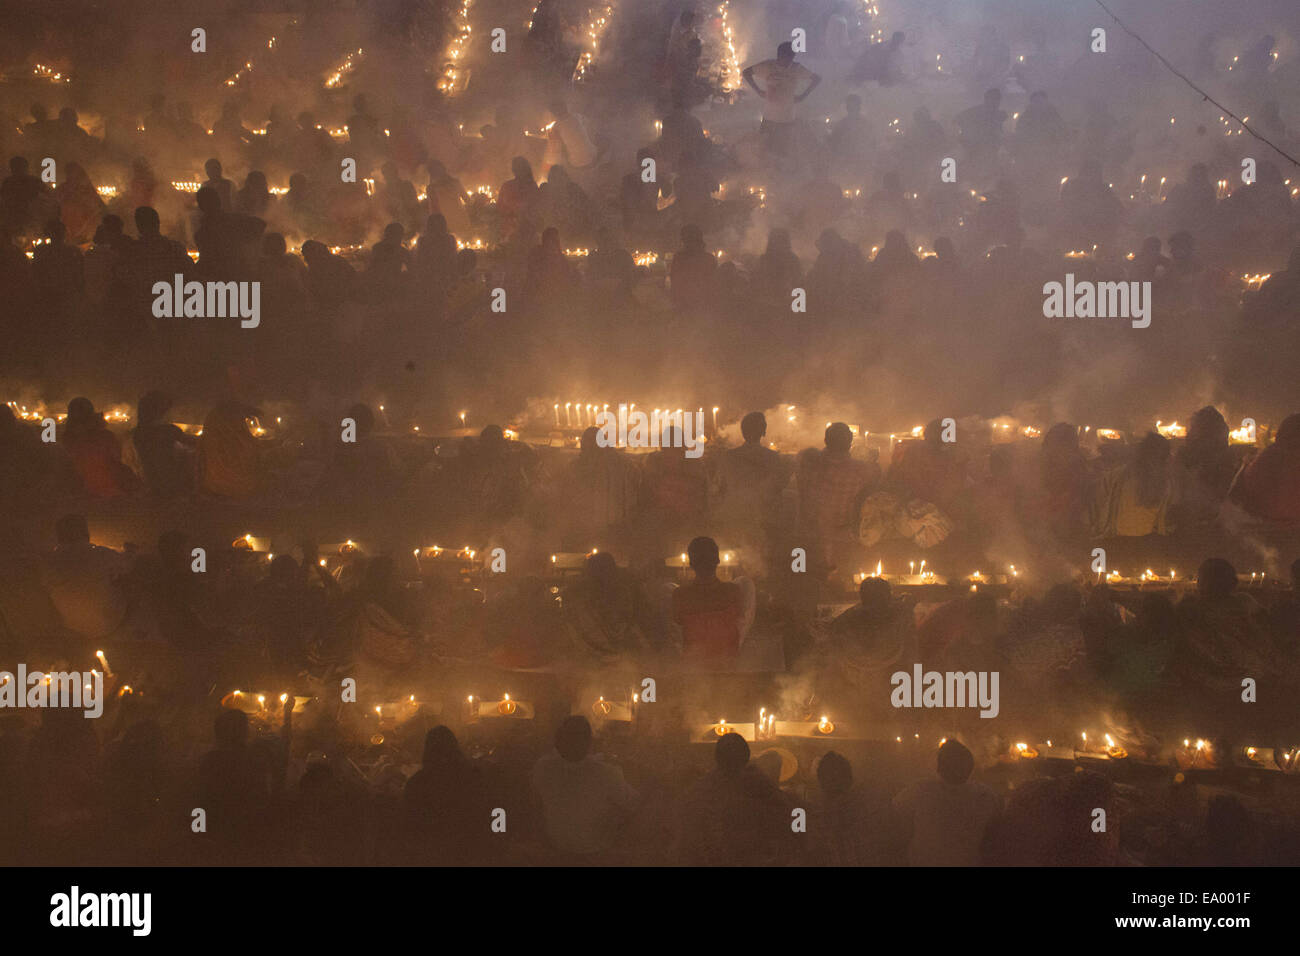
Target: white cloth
569,145
780,84
581,802
948,822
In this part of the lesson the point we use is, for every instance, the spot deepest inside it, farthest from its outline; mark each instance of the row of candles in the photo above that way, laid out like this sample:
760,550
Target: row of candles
1195,753
583,415
450,79
103,663
924,576
595,31
117,415
921,575
336,77
1094,748
917,575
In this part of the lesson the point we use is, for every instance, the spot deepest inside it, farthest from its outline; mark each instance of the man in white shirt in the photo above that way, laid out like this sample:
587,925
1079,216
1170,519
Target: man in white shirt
948,817
568,142
781,79
584,800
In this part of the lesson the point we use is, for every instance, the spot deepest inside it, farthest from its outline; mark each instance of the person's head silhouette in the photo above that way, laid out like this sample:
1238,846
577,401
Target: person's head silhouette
231,729
1216,579
876,595
441,749
753,427
153,405
147,223
522,169
835,774
573,738
838,438
703,555
956,763
731,754
81,412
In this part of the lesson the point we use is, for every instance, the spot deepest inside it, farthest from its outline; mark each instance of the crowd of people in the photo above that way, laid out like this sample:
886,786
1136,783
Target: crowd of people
639,211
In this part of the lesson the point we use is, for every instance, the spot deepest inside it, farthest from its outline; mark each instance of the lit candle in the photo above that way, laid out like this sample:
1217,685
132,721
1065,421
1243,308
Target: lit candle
108,671
506,707
824,726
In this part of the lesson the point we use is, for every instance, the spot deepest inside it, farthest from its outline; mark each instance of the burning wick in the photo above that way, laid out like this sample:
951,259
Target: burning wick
506,707
824,726
108,671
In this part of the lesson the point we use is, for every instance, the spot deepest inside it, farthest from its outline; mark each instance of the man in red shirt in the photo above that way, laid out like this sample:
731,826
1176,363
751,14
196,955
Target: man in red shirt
708,611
